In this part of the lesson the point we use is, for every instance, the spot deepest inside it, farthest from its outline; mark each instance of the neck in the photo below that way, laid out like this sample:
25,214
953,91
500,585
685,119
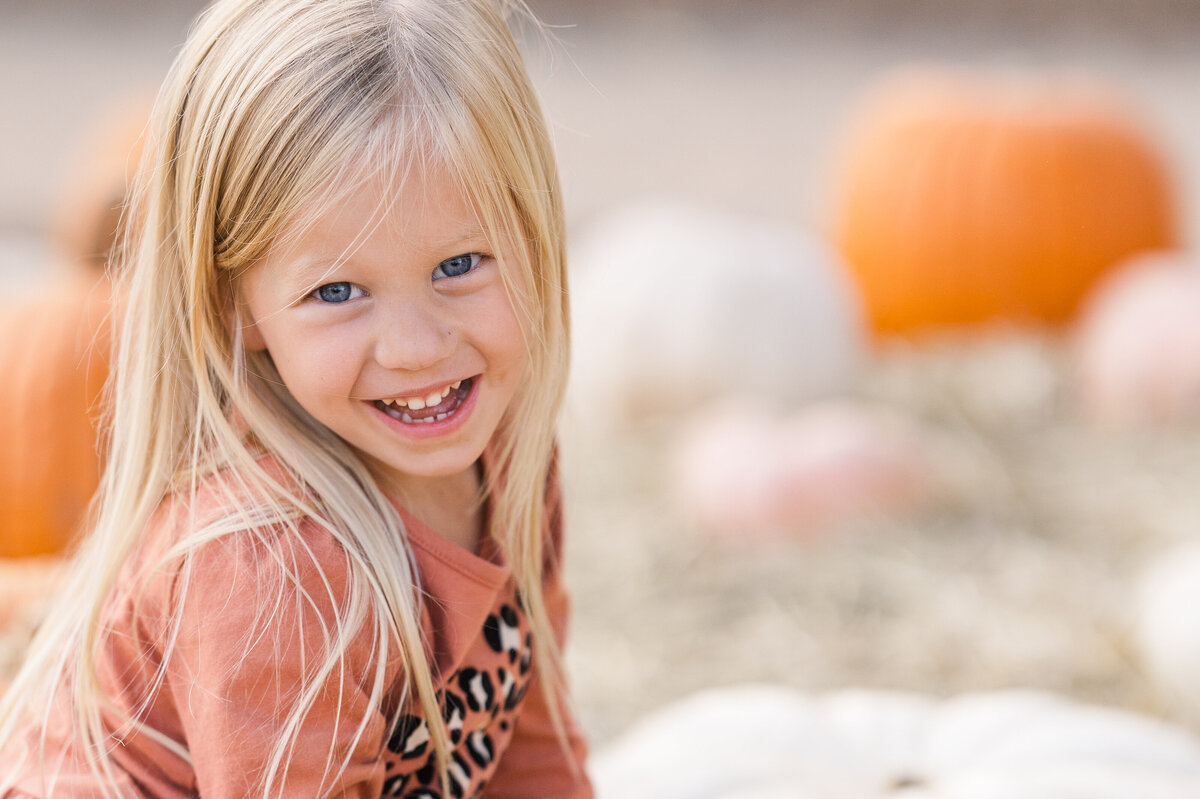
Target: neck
448,505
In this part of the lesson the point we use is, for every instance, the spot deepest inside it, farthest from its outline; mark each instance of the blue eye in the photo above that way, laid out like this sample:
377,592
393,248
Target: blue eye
458,265
338,292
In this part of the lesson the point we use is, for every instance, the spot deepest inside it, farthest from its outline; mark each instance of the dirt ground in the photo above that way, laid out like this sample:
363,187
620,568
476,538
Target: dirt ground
1023,577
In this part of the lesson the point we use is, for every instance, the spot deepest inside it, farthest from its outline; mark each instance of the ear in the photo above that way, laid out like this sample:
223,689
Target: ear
252,338
241,321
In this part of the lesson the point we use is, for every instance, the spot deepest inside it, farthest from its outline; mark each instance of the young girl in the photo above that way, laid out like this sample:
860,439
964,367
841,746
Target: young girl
325,557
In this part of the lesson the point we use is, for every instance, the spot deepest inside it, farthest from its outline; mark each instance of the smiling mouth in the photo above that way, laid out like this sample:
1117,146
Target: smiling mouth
427,410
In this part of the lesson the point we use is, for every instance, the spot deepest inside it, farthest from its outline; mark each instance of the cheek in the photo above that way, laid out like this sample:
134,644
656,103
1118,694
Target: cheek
312,365
504,339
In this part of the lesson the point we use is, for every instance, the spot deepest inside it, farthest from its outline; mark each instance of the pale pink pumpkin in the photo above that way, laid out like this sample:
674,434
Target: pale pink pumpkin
742,472
1137,345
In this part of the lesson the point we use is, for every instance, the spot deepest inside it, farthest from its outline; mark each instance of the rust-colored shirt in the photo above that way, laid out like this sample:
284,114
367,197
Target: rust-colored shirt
221,696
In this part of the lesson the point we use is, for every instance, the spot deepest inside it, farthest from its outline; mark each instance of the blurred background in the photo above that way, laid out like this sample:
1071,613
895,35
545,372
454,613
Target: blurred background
735,104
940,481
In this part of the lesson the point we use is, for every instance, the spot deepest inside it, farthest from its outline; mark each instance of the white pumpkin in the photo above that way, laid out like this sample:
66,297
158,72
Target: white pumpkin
1138,344
26,584
741,471
673,306
26,587
1166,627
768,742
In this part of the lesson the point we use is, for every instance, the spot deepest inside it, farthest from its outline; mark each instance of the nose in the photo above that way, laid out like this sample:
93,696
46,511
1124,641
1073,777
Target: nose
412,336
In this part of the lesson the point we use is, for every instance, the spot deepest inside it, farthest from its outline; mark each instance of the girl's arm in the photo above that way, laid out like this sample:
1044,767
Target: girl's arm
251,641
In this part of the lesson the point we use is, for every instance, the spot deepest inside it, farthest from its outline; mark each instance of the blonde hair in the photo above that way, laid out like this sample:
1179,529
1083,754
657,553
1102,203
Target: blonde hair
272,107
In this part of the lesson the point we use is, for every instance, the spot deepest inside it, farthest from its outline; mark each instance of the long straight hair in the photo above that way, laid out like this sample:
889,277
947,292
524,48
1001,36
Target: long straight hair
274,109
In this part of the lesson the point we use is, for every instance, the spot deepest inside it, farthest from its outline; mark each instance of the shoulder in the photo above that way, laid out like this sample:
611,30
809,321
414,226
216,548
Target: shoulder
226,586
237,535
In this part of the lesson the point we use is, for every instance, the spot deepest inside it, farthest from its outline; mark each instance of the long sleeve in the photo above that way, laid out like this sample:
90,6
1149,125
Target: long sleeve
249,635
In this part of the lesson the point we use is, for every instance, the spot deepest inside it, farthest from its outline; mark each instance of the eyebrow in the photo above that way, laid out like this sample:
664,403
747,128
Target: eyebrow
306,272
469,233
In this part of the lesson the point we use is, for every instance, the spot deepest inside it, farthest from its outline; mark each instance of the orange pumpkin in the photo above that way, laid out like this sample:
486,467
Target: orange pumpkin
54,350
968,197
54,360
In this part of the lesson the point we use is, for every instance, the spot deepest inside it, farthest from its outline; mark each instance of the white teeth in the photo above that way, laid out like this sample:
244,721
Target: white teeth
420,403
404,417
408,419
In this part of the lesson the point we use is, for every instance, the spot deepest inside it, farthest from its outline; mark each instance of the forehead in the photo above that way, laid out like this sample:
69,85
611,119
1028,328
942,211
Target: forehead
425,213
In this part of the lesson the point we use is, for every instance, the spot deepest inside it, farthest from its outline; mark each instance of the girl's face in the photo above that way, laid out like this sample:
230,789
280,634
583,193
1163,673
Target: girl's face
398,336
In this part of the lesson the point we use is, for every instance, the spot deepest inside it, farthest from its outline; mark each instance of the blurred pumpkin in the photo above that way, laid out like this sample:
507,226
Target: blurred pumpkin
675,305
1137,346
968,197
739,470
97,176
1166,626
55,349
773,742
54,360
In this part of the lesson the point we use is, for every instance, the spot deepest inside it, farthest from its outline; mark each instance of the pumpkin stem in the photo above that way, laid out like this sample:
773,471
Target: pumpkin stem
905,781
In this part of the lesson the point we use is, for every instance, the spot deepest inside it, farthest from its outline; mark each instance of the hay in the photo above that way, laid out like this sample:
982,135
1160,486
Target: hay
1019,576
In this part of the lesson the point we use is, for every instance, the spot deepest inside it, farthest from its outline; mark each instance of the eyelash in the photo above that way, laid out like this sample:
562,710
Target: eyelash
475,259
316,293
